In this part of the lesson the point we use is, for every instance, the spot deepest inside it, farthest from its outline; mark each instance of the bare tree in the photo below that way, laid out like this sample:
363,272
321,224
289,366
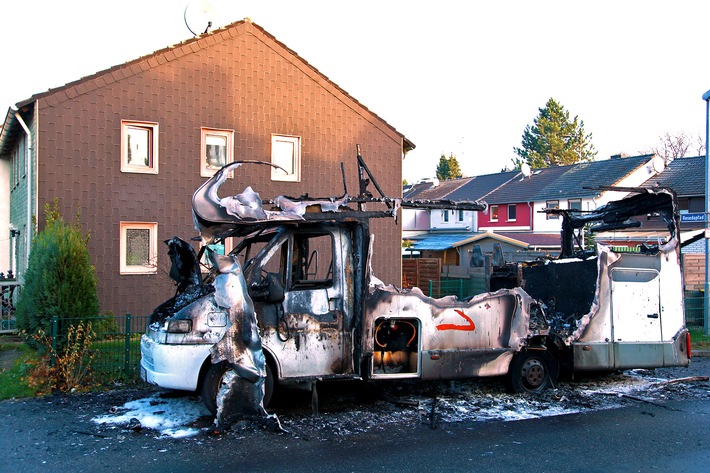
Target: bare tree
676,145
700,145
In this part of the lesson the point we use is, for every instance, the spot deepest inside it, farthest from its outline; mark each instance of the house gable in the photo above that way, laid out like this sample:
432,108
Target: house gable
199,43
239,80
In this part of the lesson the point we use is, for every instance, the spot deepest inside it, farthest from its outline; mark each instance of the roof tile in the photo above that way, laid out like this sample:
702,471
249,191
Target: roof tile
684,175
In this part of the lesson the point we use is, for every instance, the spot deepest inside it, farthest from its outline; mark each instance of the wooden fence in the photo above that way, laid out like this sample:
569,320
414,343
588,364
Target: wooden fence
694,270
418,272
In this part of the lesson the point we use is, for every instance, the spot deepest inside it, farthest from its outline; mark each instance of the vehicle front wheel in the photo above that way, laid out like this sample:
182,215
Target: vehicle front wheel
216,378
532,371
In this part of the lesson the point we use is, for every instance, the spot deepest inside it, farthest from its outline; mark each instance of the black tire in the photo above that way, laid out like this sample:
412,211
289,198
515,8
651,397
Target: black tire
532,371
214,379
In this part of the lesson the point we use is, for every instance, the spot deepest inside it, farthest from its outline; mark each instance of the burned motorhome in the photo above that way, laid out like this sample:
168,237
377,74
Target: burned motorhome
296,302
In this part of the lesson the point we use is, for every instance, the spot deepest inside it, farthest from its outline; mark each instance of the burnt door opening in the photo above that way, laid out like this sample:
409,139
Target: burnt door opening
396,348
318,341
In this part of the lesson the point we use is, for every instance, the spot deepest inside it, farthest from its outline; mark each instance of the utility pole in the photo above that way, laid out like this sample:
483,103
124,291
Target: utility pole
706,293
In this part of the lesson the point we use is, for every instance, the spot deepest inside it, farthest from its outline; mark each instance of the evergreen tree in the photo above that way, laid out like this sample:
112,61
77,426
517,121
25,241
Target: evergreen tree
448,168
554,140
60,279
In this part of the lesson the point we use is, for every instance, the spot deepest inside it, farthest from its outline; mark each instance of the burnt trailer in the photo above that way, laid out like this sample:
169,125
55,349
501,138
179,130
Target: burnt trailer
296,302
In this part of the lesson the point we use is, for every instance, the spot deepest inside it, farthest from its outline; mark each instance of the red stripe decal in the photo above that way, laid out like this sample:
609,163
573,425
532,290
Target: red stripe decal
469,327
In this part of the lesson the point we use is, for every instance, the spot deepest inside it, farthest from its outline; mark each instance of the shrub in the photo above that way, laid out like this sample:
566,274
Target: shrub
59,280
68,369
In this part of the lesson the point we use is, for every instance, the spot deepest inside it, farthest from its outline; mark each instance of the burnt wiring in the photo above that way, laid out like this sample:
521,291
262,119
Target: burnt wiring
393,333
379,326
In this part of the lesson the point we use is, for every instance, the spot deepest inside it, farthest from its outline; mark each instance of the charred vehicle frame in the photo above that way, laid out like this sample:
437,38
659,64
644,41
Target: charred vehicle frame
296,302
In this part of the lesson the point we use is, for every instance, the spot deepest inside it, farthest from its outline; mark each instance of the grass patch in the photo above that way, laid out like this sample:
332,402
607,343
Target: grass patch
698,340
24,373
17,380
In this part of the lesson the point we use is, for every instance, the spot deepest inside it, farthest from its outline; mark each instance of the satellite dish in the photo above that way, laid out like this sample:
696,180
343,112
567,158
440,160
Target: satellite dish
199,16
658,164
525,169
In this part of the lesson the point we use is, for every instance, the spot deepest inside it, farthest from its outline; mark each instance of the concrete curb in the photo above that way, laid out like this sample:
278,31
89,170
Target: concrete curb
700,353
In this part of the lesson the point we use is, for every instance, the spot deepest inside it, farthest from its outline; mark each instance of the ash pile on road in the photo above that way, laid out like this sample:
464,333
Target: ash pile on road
346,410
349,408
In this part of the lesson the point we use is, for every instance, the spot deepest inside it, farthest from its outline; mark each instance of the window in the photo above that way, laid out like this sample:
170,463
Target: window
512,212
494,213
460,219
574,204
286,152
445,215
15,171
312,261
221,247
139,147
19,162
552,204
217,150
139,248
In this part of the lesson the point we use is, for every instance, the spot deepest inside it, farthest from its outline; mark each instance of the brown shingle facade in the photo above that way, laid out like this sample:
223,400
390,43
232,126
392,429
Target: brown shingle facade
239,79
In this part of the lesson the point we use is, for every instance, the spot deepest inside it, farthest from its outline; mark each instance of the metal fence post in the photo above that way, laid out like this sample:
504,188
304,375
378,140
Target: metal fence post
54,333
127,354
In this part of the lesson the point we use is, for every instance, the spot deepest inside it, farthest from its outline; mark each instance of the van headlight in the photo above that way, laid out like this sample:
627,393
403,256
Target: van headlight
179,326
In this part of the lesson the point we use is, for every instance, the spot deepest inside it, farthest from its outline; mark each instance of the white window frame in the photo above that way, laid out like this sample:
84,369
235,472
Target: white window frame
152,266
277,144
153,131
494,211
207,170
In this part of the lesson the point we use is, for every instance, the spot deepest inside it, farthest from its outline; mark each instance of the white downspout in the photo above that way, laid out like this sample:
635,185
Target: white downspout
532,216
28,163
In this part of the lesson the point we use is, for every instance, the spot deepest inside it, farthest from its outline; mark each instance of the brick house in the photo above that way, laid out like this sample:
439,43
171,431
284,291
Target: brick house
128,146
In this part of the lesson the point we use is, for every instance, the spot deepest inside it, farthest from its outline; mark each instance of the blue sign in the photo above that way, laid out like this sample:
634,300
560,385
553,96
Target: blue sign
694,217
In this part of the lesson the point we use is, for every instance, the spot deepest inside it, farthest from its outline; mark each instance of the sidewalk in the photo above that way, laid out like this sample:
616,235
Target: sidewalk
701,353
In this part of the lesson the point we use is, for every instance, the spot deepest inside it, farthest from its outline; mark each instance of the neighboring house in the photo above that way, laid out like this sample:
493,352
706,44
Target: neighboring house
463,189
435,231
686,176
512,207
5,236
128,146
576,186
515,246
420,220
514,217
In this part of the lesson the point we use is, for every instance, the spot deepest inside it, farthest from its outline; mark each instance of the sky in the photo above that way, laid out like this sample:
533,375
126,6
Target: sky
453,77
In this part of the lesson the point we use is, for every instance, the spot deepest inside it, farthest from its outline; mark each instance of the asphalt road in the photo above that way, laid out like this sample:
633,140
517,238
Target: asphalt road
670,434
636,438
